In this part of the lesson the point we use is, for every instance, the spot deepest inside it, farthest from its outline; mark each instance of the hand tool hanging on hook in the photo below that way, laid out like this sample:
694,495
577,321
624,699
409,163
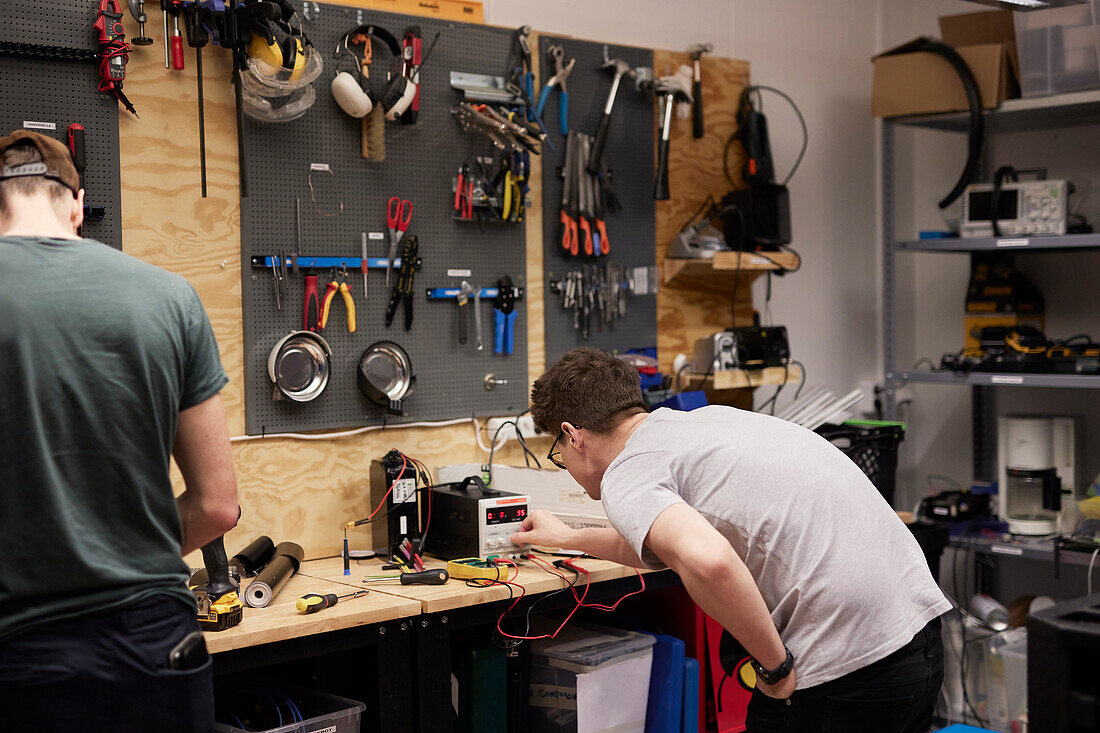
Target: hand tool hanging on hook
618,69
669,89
398,215
197,20
137,9
113,51
556,56
696,52
402,287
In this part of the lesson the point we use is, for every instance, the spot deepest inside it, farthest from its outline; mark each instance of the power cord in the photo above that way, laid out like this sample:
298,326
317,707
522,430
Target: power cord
746,99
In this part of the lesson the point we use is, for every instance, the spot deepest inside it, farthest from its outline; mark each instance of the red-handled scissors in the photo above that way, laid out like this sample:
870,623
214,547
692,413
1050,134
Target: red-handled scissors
398,215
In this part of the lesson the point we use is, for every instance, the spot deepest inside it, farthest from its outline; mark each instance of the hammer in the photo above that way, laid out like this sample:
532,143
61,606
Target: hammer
671,89
619,69
696,52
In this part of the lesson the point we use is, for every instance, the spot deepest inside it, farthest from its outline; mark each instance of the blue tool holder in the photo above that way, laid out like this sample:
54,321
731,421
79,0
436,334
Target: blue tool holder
324,263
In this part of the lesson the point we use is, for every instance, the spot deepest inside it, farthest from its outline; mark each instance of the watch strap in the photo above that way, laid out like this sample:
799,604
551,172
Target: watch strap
774,676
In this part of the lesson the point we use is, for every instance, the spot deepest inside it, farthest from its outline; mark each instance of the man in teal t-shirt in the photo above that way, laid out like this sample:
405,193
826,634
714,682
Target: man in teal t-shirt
108,367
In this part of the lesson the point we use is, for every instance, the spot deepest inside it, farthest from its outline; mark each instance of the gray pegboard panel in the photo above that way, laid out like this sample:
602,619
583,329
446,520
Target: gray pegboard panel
420,162
629,155
60,92
55,23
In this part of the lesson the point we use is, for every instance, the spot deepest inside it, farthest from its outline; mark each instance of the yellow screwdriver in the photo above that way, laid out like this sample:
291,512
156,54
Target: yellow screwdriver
314,602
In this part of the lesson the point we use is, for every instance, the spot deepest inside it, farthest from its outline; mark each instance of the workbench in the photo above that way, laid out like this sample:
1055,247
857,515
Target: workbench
376,622
408,626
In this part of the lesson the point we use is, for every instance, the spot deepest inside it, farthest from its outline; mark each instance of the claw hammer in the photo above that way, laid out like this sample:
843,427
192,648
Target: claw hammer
618,69
696,52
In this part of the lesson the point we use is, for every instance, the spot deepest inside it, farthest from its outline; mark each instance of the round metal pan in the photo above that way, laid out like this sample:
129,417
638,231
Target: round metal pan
385,376
299,366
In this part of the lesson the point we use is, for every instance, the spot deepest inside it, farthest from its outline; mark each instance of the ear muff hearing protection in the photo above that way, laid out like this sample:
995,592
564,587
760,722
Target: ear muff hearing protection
281,65
354,91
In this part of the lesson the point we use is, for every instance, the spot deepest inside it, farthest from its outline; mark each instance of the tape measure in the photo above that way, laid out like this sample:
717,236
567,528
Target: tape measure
471,568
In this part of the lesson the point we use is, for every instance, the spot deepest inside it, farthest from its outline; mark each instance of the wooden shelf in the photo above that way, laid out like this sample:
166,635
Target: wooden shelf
745,378
728,263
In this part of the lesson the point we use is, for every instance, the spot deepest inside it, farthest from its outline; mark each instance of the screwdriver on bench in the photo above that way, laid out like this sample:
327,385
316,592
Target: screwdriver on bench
427,577
314,602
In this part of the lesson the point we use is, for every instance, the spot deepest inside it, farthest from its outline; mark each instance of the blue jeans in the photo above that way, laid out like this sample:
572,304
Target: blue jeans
106,672
893,695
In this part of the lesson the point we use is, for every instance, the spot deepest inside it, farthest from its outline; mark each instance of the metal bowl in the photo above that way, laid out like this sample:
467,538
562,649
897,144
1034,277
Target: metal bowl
385,375
299,366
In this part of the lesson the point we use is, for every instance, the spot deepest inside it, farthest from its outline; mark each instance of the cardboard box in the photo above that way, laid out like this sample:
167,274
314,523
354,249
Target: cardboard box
973,29
908,82
912,83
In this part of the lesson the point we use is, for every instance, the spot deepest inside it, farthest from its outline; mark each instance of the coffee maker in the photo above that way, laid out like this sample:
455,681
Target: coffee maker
1039,462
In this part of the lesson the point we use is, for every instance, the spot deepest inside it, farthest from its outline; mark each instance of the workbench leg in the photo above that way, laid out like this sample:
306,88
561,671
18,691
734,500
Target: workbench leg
396,683
433,659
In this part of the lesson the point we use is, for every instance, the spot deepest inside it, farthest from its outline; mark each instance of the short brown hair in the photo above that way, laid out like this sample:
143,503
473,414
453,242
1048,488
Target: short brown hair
21,154
588,388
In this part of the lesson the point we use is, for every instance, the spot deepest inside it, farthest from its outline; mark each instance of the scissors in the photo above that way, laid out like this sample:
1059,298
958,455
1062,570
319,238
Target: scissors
398,215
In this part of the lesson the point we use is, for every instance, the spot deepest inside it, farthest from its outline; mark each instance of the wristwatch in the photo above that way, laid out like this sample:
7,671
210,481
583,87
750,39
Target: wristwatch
777,675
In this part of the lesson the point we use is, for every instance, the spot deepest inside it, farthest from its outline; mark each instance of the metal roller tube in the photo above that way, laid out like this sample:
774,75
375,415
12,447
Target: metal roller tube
255,555
262,591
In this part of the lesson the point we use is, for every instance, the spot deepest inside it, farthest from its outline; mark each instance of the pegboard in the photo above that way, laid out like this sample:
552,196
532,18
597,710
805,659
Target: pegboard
421,161
629,156
47,95
58,24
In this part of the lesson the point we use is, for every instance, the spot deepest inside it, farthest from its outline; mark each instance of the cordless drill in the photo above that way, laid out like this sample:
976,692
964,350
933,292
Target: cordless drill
219,605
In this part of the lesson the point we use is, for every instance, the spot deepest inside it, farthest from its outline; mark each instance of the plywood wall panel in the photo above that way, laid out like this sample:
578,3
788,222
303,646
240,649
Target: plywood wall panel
690,308
305,490
295,490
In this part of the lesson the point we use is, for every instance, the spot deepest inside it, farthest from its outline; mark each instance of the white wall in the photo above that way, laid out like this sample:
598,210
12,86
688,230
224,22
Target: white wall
819,53
646,23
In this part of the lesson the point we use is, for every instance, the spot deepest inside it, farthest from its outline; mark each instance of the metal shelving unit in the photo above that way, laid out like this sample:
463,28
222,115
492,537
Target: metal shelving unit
1065,110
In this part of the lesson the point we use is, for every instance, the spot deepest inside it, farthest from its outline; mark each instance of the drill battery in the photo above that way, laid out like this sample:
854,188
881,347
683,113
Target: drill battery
218,615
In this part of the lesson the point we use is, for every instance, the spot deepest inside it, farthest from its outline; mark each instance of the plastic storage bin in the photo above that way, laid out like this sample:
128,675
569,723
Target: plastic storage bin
590,679
1059,49
321,712
873,446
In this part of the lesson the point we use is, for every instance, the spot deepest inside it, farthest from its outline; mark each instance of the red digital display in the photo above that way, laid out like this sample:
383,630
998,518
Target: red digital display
504,515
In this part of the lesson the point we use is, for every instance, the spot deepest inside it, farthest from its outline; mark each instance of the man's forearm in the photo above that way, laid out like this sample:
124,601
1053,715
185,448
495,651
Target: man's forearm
729,595
605,543
198,523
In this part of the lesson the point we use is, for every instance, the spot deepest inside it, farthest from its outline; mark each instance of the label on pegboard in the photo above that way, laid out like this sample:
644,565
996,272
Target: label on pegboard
31,125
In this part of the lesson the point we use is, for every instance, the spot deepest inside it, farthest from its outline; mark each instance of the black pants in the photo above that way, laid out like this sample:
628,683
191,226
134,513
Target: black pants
106,672
892,695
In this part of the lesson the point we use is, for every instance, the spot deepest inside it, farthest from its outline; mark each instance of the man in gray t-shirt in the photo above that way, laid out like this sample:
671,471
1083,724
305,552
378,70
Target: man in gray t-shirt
775,533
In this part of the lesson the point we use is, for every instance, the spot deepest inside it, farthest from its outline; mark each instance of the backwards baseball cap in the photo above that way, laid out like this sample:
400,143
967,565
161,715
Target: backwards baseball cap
56,164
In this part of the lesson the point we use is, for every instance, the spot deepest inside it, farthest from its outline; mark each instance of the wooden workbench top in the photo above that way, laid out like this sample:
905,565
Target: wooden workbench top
455,593
281,620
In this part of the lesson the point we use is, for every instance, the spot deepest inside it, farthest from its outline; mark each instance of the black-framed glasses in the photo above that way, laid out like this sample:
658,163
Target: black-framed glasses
554,456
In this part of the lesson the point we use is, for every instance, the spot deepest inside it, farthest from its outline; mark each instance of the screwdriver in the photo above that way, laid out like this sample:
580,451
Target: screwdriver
427,577
314,602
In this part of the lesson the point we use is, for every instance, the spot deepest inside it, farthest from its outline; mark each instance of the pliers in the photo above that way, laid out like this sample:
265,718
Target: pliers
504,316
403,287
349,304
556,55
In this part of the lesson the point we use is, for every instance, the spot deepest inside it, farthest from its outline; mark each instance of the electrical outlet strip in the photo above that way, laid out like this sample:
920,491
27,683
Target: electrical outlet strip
526,427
